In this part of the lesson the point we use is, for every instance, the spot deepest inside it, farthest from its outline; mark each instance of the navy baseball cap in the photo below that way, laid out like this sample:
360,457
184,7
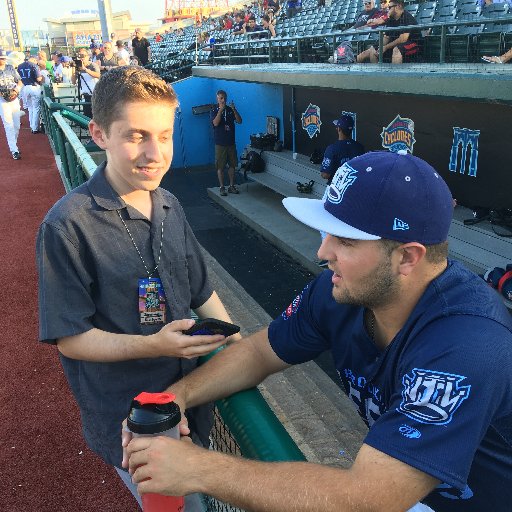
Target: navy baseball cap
345,121
381,195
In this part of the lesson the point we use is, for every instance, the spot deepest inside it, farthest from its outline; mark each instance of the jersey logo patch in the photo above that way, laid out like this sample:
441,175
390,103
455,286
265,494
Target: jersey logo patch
410,432
432,397
292,308
344,177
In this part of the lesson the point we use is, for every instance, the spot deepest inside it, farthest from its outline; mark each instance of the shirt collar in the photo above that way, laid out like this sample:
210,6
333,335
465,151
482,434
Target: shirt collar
106,197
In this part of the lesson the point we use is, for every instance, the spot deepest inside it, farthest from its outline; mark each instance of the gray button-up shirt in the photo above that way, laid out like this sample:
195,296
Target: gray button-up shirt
88,278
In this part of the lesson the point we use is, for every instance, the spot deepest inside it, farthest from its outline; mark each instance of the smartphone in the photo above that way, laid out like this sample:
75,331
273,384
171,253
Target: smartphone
487,59
210,326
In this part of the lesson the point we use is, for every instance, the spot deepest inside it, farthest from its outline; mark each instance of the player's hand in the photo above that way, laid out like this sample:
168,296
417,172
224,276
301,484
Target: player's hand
171,342
127,436
325,175
166,466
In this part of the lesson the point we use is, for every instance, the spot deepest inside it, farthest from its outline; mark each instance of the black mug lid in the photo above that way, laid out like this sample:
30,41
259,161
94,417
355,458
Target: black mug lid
153,413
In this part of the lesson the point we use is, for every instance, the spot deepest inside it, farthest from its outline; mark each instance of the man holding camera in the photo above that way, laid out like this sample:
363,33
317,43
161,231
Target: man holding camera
223,119
87,74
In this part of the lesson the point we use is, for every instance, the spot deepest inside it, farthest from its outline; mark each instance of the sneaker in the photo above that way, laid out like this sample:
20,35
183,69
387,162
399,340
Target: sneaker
16,155
223,191
35,131
323,263
233,190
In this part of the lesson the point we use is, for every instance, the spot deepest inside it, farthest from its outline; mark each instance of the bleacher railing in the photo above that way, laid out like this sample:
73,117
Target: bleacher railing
297,48
232,48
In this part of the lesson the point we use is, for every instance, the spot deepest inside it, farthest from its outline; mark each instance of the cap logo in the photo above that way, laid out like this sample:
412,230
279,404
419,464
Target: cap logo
400,225
344,177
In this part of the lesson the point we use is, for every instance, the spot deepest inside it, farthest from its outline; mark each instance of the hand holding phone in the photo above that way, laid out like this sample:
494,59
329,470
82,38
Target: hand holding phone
211,326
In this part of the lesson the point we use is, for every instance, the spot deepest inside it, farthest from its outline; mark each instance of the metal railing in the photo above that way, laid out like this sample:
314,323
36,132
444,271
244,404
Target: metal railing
232,49
76,165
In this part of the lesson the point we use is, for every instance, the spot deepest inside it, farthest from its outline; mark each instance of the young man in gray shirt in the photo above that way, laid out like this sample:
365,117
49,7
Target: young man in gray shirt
120,269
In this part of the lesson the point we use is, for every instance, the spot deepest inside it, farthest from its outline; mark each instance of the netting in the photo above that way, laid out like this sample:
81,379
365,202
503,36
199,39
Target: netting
221,440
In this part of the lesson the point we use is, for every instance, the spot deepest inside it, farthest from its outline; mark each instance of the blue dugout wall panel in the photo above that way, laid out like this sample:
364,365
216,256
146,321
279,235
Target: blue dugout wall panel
193,135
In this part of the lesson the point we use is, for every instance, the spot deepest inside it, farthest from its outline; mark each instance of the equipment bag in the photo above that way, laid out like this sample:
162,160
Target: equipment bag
253,162
264,141
344,54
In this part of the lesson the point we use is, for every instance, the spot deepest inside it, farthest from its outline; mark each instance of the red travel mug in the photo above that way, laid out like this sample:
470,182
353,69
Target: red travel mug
156,414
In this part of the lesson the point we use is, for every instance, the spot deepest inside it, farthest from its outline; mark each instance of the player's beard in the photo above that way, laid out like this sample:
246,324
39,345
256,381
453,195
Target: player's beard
377,289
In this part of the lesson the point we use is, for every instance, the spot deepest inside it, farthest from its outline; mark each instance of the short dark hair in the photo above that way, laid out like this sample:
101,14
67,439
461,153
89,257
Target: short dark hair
266,17
401,3
346,131
220,92
436,253
127,84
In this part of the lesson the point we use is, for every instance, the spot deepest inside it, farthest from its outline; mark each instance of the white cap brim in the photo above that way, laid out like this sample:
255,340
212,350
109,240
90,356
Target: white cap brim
312,213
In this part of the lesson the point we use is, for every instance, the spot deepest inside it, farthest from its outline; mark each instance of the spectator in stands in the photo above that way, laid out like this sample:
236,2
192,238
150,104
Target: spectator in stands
134,61
293,7
141,47
380,17
87,75
223,119
122,52
31,92
111,345
109,59
10,87
228,23
238,27
158,38
399,46
499,60
272,9
268,26
363,17
251,26
414,338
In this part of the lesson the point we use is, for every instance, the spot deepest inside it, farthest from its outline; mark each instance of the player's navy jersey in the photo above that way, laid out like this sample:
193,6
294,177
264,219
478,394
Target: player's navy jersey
338,153
439,398
29,73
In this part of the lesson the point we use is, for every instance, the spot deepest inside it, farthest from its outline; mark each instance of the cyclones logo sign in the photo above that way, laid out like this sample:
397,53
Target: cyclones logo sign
311,120
399,135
